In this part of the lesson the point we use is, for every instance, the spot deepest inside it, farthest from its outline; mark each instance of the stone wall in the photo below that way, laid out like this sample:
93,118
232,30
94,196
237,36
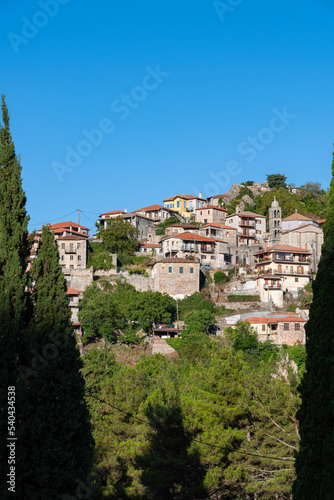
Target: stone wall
141,283
177,277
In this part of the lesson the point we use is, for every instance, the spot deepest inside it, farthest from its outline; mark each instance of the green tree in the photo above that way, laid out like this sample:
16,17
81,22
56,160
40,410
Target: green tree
315,459
56,437
219,277
14,252
200,321
120,236
276,180
98,314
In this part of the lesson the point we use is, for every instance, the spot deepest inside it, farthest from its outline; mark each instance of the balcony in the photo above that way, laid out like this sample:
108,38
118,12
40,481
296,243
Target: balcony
272,287
245,223
70,250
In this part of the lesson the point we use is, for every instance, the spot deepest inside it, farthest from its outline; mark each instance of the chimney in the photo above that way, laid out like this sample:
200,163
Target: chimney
125,210
237,209
305,246
200,195
265,245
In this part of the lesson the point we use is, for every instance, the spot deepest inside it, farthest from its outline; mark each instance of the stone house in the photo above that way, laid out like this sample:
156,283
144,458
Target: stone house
270,289
281,328
72,252
158,213
188,244
67,229
251,227
307,236
103,218
176,277
149,249
211,214
290,263
181,228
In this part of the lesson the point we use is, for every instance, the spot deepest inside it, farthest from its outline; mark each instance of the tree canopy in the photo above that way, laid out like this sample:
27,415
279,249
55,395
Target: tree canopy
276,180
120,236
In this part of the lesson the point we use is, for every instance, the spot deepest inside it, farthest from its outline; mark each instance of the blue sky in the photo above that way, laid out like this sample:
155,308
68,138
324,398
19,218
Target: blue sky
120,104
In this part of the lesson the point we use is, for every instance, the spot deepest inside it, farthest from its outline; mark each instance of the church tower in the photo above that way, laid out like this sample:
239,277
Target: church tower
275,223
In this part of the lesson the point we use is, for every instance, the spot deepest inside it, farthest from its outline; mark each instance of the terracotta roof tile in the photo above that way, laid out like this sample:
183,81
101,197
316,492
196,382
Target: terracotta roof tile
176,260
72,291
212,207
296,216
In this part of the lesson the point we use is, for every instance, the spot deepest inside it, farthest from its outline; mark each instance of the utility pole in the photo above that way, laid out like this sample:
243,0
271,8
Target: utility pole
78,216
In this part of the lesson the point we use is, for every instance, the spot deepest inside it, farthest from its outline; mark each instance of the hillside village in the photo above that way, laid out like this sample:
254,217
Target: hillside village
272,258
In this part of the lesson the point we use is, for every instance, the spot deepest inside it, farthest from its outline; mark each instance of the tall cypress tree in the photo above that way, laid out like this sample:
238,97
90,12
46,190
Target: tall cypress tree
57,431
14,252
315,460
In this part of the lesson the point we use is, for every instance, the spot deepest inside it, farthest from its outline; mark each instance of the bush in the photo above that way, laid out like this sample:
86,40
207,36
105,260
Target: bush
138,270
219,277
243,298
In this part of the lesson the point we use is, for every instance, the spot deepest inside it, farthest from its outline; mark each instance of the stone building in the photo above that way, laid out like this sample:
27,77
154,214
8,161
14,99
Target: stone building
251,227
275,223
176,277
211,214
158,213
281,328
181,228
72,252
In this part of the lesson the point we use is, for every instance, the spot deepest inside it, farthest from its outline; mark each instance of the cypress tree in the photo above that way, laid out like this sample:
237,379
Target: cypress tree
315,460
57,431
14,252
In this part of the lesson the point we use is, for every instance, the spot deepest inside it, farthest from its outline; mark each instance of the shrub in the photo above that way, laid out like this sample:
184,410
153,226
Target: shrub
243,298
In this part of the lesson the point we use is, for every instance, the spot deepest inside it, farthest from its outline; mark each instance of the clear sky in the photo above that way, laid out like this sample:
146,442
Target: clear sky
119,104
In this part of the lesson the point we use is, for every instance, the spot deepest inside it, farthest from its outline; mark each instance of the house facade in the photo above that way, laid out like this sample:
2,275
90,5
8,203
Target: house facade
185,204
72,252
158,213
211,214
176,277
290,263
251,227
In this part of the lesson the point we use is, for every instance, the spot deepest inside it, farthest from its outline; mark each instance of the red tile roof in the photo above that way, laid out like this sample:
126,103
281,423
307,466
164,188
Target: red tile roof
283,248
113,212
192,237
184,196
67,225
150,208
213,224
72,237
247,214
150,245
296,216
72,291
176,260
212,207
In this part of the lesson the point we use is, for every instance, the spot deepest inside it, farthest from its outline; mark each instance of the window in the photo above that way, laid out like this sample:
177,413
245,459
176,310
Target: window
170,269
184,204
178,204
63,257
78,246
263,327
191,270
71,267
181,270
63,246
286,326
200,212
71,298
71,257
297,326
296,280
79,257
208,212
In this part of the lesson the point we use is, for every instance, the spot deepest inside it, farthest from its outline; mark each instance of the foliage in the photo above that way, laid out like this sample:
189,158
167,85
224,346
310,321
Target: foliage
98,314
305,295
119,237
244,190
219,277
56,443
98,257
243,298
195,302
15,305
315,459
291,308
298,354
106,312
276,181
138,270
168,222
126,260
248,183
208,425
200,321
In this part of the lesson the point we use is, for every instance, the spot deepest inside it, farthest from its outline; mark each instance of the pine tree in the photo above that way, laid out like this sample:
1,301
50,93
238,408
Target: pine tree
57,431
315,460
14,252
